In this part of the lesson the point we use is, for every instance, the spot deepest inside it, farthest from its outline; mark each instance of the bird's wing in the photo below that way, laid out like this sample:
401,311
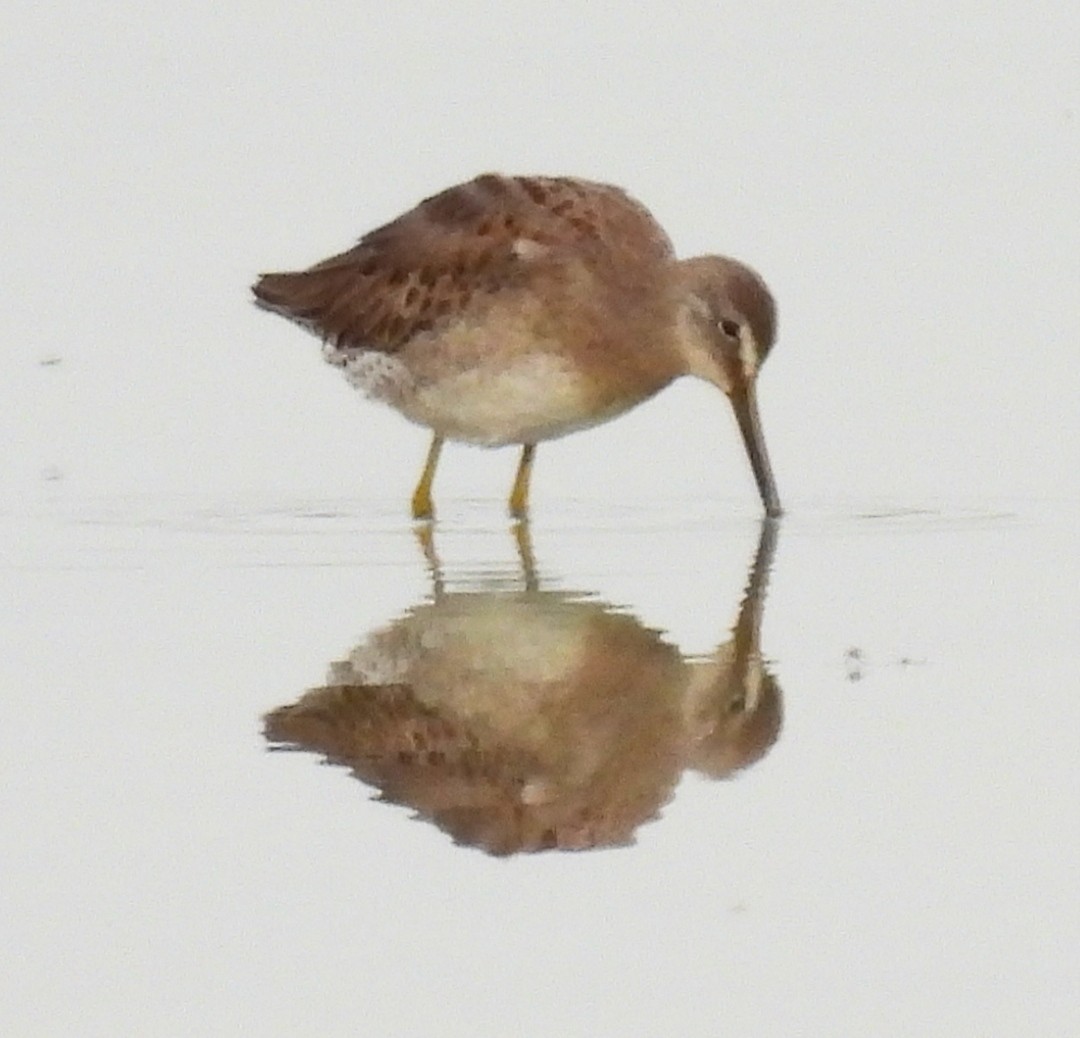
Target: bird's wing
456,248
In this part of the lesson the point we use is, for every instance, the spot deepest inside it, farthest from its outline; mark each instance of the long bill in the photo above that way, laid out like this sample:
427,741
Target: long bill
744,401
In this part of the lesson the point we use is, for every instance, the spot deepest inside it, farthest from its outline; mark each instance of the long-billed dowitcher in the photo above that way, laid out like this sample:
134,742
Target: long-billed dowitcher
510,310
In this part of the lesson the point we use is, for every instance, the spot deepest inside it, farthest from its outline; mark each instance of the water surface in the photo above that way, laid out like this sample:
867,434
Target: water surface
820,777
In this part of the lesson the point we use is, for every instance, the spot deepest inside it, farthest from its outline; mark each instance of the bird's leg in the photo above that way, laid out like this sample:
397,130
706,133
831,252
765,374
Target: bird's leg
525,554
421,500
425,537
519,495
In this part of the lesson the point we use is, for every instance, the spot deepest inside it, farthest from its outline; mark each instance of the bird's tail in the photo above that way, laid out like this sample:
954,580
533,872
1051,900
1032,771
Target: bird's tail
283,294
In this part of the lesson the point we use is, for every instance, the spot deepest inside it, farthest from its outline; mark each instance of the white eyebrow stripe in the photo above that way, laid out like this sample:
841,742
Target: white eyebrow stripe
748,352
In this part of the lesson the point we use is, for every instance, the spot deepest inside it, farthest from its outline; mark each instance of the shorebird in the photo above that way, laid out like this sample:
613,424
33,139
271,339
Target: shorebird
516,309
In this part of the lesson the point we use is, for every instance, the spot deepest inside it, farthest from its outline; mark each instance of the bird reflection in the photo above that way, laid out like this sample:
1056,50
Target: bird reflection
527,720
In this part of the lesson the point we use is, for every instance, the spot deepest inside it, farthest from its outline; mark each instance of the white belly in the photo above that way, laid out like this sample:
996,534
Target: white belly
530,398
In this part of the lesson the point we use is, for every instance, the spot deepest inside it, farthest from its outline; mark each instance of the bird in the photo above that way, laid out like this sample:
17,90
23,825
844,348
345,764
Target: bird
511,310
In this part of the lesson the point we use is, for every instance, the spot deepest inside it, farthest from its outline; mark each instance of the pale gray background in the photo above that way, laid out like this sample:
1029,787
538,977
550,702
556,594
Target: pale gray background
198,516
907,177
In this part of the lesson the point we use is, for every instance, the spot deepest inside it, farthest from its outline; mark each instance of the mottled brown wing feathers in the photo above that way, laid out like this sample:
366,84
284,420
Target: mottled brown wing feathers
455,248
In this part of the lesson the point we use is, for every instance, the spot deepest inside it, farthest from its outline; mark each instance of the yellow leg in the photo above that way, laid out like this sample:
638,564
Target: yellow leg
519,496
422,507
425,537
525,555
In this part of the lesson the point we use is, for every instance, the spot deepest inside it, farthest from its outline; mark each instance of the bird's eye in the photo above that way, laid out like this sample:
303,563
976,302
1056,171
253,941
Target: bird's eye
729,328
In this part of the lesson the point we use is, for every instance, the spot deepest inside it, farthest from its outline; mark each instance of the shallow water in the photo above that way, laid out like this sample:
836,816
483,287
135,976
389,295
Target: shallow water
822,776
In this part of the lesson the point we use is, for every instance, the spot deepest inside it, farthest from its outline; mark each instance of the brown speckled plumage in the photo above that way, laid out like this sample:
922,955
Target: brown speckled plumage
456,249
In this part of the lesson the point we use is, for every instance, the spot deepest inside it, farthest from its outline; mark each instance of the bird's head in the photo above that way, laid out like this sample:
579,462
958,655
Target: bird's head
728,325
